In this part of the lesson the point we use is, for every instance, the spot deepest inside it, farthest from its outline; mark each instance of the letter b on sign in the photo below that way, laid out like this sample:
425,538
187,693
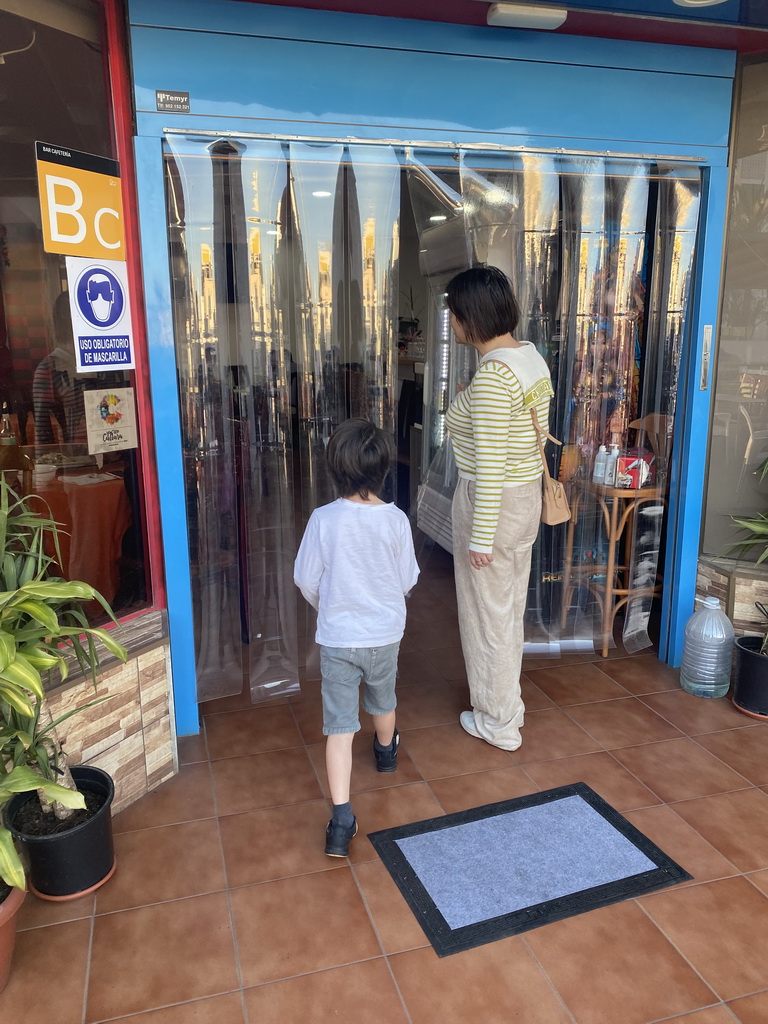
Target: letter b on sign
82,212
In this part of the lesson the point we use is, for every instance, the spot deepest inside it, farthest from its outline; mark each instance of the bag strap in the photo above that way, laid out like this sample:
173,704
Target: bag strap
540,435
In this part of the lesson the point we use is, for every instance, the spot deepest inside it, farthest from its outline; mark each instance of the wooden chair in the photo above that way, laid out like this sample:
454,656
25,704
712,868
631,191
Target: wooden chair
656,428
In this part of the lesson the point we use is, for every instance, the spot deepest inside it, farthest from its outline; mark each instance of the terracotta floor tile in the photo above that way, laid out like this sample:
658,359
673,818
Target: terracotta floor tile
533,698
417,666
600,771
450,660
682,843
494,984
393,920
465,791
276,842
714,1015
36,913
190,856
430,704
721,928
346,995
745,750
640,971
226,1009
185,797
335,927
251,731
617,653
736,824
386,808
192,749
694,715
551,734
309,718
444,750
179,951
576,684
751,1009
679,769
264,780
642,674
232,702
759,879
364,773
39,956
622,723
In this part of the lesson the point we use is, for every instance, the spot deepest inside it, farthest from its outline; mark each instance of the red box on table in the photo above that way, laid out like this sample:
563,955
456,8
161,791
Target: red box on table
636,468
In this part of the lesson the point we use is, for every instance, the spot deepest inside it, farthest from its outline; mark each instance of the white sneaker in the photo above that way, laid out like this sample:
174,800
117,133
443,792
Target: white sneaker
467,723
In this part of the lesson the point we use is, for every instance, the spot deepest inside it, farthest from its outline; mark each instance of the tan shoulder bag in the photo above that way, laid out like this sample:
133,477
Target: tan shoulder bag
554,502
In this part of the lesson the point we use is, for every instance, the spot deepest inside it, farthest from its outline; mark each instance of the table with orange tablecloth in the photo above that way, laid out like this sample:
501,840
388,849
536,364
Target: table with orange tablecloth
93,513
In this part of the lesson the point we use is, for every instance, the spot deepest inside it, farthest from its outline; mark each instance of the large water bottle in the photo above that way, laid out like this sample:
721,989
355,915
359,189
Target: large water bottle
707,651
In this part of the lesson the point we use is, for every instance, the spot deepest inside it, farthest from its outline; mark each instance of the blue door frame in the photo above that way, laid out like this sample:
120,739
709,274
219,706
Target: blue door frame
239,62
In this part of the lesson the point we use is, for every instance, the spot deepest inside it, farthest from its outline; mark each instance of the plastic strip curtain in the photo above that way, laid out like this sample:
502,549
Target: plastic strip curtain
671,274
345,233
225,210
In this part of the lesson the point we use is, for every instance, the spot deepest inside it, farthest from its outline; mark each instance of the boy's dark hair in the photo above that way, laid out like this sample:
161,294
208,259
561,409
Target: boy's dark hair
483,302
359,455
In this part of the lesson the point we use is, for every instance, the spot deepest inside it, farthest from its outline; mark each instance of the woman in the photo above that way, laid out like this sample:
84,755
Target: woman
497,504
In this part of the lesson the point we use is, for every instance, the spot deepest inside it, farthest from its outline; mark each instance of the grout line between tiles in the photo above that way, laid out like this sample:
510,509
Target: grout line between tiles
87,979
550,982
699,1009
385,955
712,989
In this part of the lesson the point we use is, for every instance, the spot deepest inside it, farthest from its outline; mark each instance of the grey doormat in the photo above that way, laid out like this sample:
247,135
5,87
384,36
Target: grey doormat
501,869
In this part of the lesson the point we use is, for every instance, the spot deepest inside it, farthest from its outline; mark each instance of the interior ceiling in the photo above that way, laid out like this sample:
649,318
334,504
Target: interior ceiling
579,22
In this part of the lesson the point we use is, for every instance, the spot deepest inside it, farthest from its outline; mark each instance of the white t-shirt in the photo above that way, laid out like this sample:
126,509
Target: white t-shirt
355,565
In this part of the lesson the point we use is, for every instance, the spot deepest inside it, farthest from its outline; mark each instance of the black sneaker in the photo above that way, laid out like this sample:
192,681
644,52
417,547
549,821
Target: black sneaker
386,757
338,838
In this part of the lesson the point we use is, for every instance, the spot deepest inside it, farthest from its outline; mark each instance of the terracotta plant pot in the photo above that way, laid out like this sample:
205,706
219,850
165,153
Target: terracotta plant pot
8,910
75,862
750,681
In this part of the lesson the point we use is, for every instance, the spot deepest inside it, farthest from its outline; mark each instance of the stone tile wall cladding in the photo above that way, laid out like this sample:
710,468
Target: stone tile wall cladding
737,586
131,734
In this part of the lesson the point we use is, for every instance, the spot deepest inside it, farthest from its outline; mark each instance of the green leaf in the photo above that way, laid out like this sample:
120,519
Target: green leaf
7,648
69,590
11,868
39,612
16,697
22,673
110,643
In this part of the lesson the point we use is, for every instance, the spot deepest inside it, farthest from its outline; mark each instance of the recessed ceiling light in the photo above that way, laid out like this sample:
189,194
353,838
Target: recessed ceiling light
698,3
321,195
438,218
273,232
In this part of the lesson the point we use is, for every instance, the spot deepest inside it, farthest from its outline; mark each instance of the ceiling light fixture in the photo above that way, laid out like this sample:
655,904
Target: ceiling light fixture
519,16
698,3
321,195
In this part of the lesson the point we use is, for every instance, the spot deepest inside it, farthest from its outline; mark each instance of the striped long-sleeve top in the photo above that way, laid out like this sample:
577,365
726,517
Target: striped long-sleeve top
493,437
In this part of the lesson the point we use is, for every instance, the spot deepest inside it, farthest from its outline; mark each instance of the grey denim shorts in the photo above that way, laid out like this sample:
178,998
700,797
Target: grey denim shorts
343,669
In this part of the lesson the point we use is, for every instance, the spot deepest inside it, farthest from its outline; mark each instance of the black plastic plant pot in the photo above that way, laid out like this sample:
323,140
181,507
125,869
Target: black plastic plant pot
750,681
77,861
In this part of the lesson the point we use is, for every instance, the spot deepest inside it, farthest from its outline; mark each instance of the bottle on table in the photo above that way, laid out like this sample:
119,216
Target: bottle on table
598,473
707,651
7,433
611,465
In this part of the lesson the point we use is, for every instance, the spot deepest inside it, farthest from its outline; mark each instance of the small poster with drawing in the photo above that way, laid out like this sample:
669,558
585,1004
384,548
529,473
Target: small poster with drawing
110,416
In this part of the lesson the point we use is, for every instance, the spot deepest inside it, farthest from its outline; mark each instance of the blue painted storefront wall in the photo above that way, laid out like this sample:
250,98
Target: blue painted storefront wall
267,69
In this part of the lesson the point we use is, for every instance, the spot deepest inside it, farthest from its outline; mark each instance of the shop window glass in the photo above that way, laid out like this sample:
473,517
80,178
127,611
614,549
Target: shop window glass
54,89
739,436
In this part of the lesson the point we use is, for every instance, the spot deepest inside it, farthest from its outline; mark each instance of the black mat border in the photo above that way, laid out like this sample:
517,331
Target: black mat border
446,940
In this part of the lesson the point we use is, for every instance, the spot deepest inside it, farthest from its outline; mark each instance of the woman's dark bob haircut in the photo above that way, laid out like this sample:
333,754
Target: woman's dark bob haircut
359,455
483,302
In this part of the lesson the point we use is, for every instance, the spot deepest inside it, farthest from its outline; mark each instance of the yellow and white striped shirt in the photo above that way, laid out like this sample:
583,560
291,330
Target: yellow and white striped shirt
493,437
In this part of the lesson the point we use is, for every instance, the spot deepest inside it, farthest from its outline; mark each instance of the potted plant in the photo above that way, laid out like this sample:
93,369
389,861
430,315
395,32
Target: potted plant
750,683
42,620
12,883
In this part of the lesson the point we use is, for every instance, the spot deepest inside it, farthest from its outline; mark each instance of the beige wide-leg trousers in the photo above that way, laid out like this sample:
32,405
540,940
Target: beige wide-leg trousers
491,604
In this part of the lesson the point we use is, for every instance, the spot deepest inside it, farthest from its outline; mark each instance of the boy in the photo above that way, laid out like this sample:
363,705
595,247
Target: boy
355,565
